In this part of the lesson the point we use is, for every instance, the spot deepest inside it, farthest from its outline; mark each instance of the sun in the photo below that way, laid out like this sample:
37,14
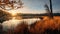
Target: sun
13,12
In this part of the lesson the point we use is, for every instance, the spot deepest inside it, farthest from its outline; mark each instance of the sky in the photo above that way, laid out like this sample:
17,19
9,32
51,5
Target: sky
37,6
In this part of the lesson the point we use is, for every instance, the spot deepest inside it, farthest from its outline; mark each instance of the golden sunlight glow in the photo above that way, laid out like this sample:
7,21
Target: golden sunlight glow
26,10
14,20
13,13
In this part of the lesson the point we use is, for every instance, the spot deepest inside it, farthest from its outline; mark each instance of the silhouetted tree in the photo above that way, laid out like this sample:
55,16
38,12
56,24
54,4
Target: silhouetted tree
51,8
10,4
48,10
4,16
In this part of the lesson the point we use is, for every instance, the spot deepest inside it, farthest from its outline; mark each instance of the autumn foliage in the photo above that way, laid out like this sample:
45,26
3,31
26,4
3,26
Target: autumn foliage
44,26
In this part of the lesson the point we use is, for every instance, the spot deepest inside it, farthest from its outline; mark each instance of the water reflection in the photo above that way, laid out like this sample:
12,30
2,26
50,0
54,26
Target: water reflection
11,24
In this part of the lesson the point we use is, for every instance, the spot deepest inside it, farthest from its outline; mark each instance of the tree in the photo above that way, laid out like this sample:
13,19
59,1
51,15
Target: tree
48,10
10,4
4,16
51,9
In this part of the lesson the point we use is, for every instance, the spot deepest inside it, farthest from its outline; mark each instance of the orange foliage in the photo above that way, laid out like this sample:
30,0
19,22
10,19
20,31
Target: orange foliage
45,26
47,23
